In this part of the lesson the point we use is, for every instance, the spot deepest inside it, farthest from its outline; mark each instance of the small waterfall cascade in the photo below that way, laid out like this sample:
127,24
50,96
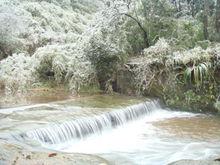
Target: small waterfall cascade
82,127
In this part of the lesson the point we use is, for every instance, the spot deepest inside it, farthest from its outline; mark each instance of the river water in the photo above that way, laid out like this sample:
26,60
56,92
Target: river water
123,130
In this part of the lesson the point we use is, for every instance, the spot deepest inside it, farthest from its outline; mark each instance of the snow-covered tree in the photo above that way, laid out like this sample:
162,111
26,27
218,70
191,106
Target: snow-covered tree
10,28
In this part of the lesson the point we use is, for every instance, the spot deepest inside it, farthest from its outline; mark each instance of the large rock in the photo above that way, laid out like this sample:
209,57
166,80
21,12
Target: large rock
16,155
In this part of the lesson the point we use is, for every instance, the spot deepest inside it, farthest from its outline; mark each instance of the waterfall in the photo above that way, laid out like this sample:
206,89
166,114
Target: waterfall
85,126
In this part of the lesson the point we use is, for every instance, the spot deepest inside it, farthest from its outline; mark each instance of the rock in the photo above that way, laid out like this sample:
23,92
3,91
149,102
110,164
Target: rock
195,162
16,155
28,157
59,159
52,155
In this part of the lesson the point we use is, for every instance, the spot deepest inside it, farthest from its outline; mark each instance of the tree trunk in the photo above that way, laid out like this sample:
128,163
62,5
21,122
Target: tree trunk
193,8
217,21
3,52
180,6
175,4
145,35
205,19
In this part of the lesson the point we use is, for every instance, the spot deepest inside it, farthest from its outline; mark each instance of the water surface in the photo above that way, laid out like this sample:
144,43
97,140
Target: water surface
130,136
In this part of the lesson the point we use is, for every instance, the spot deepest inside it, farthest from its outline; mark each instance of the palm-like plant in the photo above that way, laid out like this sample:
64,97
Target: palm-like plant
197,74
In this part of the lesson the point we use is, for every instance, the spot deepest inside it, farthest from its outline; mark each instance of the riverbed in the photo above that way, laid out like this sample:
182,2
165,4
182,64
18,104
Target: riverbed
122,130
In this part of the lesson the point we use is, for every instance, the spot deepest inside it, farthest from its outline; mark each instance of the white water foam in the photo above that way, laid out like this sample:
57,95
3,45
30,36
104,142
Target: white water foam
86,126
140,142
124,139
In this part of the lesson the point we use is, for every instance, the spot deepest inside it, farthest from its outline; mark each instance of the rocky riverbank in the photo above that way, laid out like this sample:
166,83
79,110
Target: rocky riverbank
17,155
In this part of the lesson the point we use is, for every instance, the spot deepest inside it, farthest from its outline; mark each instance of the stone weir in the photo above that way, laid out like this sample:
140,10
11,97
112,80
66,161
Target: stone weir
56,133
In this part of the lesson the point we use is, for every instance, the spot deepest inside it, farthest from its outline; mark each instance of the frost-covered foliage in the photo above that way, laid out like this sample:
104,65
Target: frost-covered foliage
106,29
106,41
50,34
42,22
65,64
16,72
163,53
10,28
60,63
144,76
79,41
68,41
160,49
160,59
144,67
194,55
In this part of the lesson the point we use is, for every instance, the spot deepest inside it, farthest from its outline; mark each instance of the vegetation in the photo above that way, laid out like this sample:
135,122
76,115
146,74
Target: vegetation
168,48
186,79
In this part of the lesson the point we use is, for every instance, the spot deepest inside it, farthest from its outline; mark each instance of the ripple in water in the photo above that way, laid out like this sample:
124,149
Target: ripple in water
132,135
151,141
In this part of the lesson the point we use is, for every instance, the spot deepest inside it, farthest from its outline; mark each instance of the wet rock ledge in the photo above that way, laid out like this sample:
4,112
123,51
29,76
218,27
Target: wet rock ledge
16,155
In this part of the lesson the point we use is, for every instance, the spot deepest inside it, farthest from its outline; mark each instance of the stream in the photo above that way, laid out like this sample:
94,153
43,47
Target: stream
123,130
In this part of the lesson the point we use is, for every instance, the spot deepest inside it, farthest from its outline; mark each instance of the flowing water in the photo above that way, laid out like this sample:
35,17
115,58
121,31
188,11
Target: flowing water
123,130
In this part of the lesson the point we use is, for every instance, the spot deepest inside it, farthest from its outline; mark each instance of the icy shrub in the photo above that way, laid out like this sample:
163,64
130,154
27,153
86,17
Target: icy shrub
106,45
191,56
159,50
64,64
145,68
51,29
59,63
79,74
16,72
28,25
10,28
68,44
51,63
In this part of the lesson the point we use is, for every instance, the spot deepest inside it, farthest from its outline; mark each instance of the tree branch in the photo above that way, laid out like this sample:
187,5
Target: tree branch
146,39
